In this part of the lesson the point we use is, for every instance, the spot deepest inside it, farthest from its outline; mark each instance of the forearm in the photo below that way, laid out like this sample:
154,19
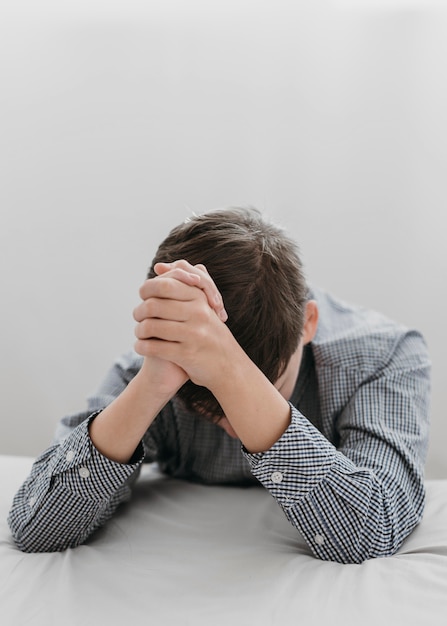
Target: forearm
347,512
119,428
254,407
71,491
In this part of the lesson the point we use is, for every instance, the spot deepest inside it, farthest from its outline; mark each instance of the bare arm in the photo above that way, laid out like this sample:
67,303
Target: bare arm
119,428
177,325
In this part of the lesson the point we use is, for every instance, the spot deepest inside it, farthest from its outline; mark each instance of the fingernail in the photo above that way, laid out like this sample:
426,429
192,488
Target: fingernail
223,315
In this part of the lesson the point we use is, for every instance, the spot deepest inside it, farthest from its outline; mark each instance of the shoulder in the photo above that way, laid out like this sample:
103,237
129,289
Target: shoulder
354,337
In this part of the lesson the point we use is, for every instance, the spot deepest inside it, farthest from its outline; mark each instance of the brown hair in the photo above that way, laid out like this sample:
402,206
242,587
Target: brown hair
256,268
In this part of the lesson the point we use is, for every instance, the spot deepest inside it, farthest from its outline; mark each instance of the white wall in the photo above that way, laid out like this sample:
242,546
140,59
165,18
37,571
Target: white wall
119,118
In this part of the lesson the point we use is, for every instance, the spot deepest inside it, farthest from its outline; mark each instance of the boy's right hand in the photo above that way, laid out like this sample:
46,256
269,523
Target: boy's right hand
165,376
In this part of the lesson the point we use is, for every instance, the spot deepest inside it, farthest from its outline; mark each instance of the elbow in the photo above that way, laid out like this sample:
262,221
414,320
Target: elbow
24,540
35,539
358,553
27,546
30,542
378,534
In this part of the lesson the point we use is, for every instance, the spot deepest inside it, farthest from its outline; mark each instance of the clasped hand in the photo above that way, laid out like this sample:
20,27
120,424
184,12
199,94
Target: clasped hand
180,328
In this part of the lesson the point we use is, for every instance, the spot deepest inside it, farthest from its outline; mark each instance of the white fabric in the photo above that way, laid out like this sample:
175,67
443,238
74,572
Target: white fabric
188,554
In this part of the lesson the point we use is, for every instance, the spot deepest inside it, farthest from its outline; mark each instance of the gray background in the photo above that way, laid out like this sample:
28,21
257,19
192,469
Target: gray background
120,118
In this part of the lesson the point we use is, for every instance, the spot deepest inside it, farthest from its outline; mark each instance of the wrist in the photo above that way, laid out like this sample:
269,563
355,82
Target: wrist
256,410
117,431
159,380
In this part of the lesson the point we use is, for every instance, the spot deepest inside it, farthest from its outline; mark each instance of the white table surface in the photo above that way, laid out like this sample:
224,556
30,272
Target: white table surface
188,554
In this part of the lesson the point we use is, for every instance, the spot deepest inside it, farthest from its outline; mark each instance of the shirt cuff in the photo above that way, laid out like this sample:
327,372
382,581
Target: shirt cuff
300,460
79,466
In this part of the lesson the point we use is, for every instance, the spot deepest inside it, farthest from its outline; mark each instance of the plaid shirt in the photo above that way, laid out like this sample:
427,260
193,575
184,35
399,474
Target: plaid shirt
348,471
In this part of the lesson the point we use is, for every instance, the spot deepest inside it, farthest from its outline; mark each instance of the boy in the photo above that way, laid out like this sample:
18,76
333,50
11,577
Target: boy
242,374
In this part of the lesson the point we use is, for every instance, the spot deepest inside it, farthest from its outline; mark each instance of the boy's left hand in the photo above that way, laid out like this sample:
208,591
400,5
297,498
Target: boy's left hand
195,275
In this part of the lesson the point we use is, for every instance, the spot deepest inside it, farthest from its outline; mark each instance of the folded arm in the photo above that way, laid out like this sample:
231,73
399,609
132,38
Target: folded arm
361,499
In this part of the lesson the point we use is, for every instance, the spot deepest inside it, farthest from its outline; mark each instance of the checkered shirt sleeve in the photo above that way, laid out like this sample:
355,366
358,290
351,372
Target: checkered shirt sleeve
361,499
71,491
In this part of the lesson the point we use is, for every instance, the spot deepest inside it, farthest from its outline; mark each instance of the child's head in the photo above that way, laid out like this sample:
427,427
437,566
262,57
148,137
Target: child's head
256,268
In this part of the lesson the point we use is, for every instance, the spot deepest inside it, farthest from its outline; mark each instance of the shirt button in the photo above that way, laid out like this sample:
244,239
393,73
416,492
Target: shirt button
32,500
276,477
319,540
84,472
69,456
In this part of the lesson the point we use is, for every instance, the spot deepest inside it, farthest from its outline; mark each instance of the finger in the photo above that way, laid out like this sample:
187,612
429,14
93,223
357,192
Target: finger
161,308
206,282
165,330
166,350
189,278
167,286
210,288
179,270
202,267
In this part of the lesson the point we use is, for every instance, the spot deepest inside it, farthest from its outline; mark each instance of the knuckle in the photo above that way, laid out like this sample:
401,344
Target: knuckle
178,273
141,330
143,289
168,288
137,313
182,264
150,308
200,267
202,317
